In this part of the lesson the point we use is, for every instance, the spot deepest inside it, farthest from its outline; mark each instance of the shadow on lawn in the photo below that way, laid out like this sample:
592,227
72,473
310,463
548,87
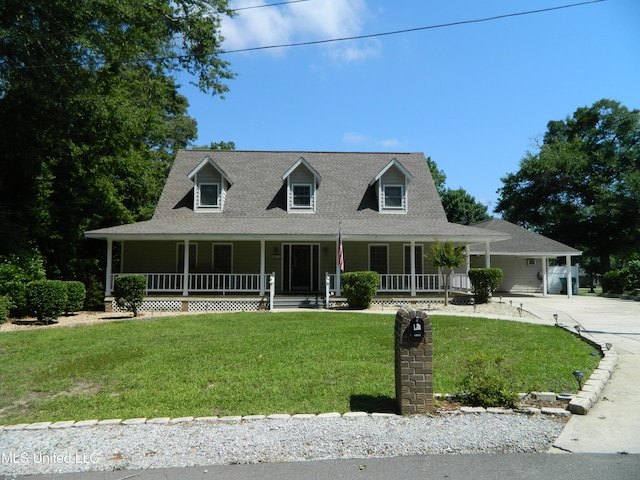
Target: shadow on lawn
373,404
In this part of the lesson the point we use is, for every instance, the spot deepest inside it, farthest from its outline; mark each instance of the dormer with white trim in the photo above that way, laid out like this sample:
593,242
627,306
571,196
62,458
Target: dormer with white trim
210,186
302,184
391,185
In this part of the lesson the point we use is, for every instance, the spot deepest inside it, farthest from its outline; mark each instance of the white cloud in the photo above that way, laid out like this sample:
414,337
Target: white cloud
353,137
361,138
299,22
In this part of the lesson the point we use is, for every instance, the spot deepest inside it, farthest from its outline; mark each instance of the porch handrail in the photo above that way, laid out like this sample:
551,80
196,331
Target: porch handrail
199,282
401,282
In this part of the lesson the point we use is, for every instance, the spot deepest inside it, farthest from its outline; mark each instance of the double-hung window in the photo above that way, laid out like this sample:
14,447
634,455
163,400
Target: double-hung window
209,195
302,196
393,196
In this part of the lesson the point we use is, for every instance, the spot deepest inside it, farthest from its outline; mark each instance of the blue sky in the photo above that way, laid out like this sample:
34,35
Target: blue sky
474,97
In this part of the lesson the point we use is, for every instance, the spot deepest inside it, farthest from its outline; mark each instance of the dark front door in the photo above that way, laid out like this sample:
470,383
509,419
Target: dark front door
300,268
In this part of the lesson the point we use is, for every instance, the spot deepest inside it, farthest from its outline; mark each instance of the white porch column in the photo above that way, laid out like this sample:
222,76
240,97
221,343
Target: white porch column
107,283
185,286
262,267
413,268
487,255
569,285
545,285
338,272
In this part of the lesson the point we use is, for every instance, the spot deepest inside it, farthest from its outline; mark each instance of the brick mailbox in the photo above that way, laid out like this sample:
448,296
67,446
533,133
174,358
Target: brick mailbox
414,370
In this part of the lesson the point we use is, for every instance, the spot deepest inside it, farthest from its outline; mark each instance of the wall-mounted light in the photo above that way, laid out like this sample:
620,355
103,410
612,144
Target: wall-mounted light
325,251
276,253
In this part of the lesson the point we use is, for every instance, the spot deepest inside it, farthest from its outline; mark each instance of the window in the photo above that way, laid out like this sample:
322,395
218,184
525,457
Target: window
378,258
393,196
209,195
222,255
302,196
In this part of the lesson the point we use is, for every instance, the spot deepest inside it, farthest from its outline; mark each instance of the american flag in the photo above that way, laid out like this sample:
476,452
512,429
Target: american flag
340,250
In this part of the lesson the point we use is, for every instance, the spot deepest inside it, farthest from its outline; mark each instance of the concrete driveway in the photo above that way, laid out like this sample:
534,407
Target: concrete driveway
613,424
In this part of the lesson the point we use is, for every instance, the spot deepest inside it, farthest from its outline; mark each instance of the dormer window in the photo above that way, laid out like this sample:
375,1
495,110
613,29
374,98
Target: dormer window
393,196
391,188
302,196
210,186
302,184
209,195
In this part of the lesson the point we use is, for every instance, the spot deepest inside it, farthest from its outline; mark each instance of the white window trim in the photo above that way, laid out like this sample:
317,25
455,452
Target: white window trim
403,197
198,199
301,208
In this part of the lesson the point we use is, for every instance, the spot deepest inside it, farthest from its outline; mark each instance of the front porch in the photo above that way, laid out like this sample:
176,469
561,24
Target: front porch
213,292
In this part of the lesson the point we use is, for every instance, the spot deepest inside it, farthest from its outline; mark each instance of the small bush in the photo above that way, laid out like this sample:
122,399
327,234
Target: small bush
485,281
128,291
5,307
46,299
360,287
614,281
15,274
487,384
76,294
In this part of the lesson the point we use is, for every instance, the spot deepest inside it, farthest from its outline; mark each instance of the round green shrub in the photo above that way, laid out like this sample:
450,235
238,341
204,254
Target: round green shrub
76,294
128,291
46,299
485,281
360,287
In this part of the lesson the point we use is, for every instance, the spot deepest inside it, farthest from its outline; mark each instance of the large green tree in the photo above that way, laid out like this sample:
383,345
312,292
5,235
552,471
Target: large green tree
460,206
583,185
90,114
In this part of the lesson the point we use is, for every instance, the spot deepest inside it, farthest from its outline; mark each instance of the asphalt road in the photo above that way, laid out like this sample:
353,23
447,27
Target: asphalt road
432,467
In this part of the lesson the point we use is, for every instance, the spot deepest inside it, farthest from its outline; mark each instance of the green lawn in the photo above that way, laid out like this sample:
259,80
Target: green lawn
256,363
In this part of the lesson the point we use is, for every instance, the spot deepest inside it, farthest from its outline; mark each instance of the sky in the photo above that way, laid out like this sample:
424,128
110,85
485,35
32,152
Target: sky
475,97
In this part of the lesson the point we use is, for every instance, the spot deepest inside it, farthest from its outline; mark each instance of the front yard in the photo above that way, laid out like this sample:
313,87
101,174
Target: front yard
248,363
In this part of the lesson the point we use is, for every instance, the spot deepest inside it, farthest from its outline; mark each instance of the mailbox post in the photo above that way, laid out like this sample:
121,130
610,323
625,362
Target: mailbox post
413,361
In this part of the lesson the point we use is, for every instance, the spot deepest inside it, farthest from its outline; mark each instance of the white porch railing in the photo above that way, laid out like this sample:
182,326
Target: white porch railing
203,282
425,283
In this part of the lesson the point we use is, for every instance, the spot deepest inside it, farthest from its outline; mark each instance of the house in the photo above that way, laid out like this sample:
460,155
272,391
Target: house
248,229
524,260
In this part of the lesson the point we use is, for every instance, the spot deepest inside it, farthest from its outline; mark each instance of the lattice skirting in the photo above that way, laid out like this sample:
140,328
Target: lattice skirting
153,306
227,305
221,305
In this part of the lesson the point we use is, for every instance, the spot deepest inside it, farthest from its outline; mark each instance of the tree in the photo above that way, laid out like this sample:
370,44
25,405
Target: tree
448,257
90,115
582,187
459,205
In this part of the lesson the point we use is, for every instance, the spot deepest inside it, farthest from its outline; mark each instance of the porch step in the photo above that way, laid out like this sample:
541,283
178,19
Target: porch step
300,301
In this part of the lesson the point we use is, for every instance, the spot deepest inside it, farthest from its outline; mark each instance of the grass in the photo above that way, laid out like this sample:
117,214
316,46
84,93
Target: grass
248,363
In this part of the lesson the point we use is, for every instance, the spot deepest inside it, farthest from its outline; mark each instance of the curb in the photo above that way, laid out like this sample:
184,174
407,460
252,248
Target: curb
558,412
589,395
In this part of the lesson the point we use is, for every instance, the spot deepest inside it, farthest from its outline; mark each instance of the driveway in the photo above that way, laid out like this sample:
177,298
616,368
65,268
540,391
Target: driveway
613,424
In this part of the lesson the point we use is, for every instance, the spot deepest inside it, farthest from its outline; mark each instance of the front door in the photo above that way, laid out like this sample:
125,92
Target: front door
300,267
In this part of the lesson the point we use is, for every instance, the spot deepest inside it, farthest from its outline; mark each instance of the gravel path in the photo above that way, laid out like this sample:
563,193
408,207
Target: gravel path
117,447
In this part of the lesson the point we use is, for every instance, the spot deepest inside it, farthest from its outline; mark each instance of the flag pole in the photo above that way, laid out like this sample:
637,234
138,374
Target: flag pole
339,260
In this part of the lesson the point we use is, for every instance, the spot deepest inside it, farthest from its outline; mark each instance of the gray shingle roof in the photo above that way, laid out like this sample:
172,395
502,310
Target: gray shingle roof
522,242
255,203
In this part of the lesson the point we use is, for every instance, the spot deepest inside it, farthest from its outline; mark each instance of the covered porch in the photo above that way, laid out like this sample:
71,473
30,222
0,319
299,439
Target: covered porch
253,274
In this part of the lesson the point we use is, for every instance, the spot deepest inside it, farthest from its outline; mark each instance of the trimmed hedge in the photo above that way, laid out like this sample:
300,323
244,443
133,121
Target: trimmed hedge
128,291
360,287
76,293
46,299
485,281
5,306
